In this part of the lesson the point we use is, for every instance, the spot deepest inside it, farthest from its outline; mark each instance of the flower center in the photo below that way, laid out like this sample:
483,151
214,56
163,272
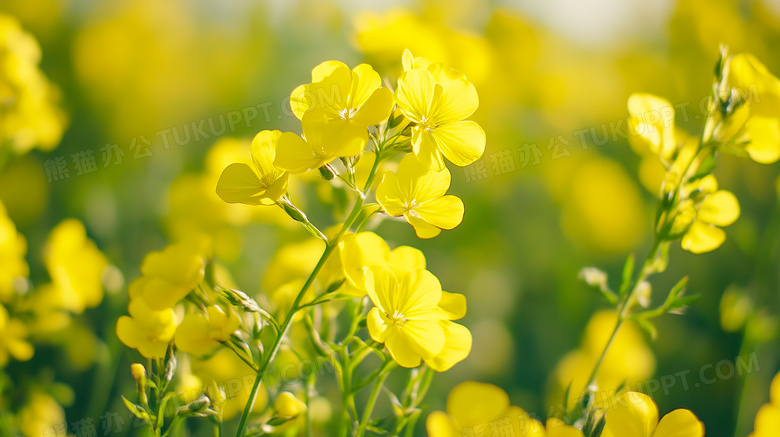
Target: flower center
347,113
397,319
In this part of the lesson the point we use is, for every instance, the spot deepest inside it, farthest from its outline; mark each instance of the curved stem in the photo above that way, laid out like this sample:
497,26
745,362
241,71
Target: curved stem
383,374
285,326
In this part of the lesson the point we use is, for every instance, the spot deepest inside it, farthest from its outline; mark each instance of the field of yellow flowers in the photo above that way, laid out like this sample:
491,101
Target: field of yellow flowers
312,218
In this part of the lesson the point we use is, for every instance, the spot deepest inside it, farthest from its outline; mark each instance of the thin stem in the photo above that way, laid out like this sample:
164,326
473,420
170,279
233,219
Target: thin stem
285,326
383,374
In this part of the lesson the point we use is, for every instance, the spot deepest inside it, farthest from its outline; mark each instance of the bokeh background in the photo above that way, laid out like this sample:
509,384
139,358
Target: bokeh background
559,188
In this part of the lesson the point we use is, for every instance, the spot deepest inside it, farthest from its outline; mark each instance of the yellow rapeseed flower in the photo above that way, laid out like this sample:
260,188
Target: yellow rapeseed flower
13,339
417,193
438,101
702,214
475,408
13,247
201,334
651,124
146,329
169,275
767,423
407,318
259,184
358,251
349,101
636,415
75,265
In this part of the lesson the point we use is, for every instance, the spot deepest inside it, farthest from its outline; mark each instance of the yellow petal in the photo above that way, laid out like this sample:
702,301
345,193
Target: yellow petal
652,119
720,208
764,136
457,346
557,428
295,155
634,415
422,228
333,137
376,108
445,212
754,82
160,294
426,149
240,184
325,69
453,304
330,87
382,287
406,258
376,325
703,237
457,101
389,196
439,424
679,423
414,94
473,403
462,142
263,152
403,348
418,295
300,101
420,183
357,251
767,420
365,81
192,335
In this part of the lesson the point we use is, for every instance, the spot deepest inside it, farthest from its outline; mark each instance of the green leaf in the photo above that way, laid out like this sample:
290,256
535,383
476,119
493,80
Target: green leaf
649,327
676,292
628,274
683,302
137,410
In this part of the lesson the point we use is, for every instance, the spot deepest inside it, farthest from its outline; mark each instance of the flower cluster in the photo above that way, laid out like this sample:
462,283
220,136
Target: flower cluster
351,127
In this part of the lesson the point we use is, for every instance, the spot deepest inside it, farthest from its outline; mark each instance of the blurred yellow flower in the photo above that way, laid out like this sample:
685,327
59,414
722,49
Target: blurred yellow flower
651,124
629,360
767,423
170,275
146,329
287,405
438,100
408,320
29,116
201,334
233,377
358,251
475,408
417,193
13,339
322,142
75,266
636,415
699,216
13,248
259,184
40,414
349,101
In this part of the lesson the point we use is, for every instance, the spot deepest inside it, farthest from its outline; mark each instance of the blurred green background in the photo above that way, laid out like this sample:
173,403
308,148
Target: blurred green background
552,77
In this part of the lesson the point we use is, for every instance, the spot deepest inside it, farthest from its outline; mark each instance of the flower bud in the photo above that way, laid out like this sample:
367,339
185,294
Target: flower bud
288,405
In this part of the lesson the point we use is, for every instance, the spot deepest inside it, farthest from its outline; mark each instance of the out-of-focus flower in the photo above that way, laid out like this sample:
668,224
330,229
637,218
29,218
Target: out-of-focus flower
752,117
146,329
767,423
13,339
200,334
260,184
40,415
29,116
629,359
438,100
287,405
75,265
417,193
636,415
651,124
13,248
358,251
234,378
349,101
408,320
169,275
475,408
699,216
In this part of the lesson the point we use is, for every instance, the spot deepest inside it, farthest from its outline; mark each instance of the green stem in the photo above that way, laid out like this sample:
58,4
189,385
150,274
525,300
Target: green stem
383,374
285,326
